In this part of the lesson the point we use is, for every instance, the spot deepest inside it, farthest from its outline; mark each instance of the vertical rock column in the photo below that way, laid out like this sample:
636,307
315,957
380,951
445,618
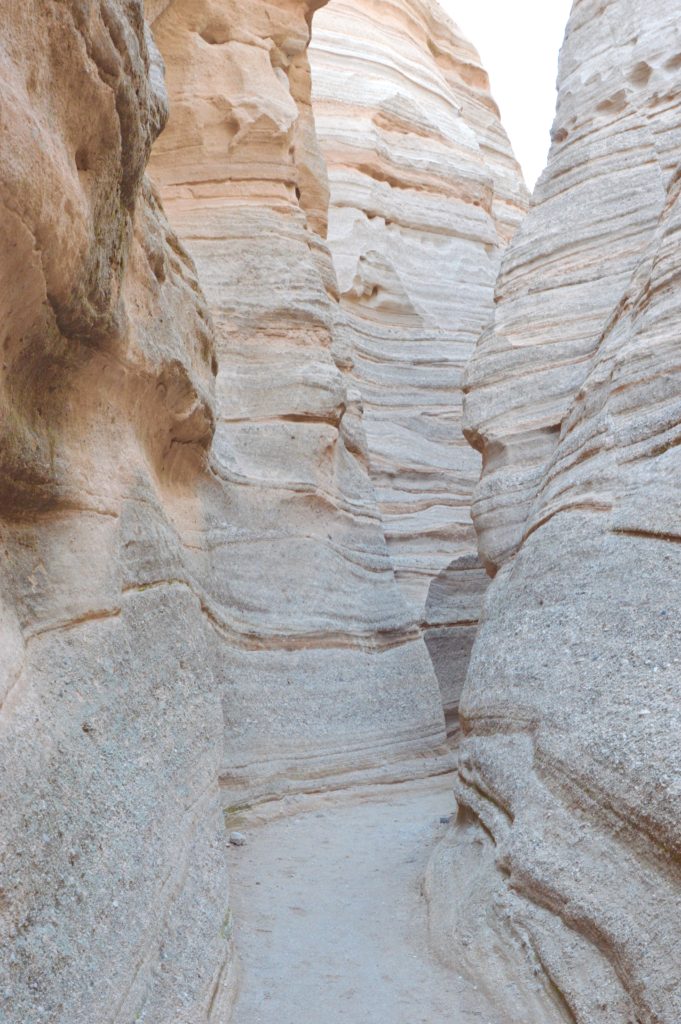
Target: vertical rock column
425,193
323,670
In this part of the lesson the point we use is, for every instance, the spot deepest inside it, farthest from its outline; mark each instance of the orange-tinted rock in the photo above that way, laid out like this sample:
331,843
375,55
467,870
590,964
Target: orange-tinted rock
113,886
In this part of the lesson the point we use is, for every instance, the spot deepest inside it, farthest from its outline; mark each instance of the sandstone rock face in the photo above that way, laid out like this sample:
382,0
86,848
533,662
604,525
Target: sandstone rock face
323,671
425,192
570,783
112,877
616,137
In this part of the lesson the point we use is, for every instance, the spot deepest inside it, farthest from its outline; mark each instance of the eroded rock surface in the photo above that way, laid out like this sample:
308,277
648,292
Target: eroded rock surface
570,777
113,885
595,209
425,193
323,669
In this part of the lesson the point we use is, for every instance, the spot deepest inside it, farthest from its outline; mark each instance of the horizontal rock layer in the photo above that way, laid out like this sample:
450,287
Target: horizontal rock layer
595,209
570,764
425,192
323,670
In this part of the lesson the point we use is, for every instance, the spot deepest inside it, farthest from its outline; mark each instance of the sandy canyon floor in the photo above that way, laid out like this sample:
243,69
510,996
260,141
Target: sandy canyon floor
329,914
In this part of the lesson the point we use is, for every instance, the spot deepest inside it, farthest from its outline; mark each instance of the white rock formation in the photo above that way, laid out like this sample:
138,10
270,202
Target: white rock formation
145,582
570,775
425,192
323,669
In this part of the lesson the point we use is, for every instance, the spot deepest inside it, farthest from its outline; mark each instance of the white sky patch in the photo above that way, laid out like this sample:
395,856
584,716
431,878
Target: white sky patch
518,41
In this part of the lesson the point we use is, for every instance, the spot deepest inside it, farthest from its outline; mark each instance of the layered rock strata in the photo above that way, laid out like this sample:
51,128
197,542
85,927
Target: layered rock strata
570,778
425,193
113,888
323,670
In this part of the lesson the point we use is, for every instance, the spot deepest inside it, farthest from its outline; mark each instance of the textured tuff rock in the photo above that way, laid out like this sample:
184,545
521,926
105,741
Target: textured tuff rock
112,876
322,668
596,207
570,781
424,193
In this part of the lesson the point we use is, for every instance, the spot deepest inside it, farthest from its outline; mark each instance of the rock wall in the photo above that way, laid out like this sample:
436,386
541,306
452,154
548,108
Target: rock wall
173,609
425,192
173,606
596,207
570,784
323,673
113,888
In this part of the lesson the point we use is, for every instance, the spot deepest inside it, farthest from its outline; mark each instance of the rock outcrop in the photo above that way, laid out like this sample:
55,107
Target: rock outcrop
425,193
323,669
570,780
196,581
113,887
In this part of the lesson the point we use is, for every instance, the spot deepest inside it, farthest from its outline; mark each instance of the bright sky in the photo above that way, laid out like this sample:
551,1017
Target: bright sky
518,41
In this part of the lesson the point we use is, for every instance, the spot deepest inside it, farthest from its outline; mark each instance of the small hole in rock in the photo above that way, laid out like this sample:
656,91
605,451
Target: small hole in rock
641,74
215,35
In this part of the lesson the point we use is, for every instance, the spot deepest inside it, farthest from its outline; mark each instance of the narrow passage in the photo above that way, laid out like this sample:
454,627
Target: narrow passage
330,920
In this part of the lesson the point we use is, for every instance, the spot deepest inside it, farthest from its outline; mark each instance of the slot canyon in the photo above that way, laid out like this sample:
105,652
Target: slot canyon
340,678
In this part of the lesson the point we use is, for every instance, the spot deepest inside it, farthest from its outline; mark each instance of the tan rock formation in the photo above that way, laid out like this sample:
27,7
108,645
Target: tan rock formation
424,194
112,877
323,670
570,777
145,582
597,204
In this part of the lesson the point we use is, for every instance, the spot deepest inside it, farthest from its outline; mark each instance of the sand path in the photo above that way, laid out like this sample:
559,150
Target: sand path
329,916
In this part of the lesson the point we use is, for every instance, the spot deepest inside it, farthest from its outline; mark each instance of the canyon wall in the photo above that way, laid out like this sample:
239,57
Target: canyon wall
323,671
174,606
424,194
196,581
113,889
569,779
